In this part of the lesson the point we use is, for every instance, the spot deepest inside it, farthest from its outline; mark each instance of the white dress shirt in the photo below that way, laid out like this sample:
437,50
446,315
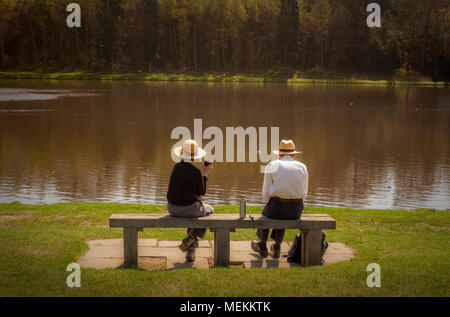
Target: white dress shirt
288,179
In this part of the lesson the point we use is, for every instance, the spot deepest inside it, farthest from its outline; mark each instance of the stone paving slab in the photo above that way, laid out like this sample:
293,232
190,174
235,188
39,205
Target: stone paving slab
152,263
100,263
105,251
175,244
269,263
245,246
174,253
165,255
202,263
119,242
338,252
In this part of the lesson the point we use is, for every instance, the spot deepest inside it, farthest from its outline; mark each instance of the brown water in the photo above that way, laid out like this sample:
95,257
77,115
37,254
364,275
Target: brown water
365,146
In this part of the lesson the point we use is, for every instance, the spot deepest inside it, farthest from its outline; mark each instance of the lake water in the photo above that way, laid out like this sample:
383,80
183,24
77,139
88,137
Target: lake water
365,146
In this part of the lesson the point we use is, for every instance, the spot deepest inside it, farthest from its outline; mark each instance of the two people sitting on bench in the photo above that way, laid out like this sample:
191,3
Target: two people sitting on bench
187,186
284,188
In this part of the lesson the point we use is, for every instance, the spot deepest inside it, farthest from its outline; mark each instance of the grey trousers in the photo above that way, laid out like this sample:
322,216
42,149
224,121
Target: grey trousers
197,209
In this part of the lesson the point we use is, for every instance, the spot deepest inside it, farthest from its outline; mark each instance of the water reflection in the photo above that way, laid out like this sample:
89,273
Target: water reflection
372,147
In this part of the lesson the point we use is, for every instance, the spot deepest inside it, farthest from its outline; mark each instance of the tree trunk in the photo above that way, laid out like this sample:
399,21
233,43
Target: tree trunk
44,43
195,50
425,37
86,49
2,45
223,50
235,54
33,40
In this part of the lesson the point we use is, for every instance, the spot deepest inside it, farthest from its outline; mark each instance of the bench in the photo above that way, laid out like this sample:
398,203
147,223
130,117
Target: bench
310,226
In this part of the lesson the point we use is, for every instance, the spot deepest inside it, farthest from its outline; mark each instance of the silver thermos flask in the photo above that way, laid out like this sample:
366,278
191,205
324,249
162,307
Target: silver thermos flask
242,208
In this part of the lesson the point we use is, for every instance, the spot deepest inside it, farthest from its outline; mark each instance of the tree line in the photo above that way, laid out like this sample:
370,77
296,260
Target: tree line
303,37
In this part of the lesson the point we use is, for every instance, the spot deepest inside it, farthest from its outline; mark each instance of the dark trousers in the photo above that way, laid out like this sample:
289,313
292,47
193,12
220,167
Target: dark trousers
196,232
277,209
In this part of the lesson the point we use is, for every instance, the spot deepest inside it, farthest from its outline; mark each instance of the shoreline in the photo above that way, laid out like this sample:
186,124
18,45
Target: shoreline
210,78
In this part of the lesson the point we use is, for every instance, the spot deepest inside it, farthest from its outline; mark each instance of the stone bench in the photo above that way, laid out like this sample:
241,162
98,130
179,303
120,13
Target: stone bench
310,226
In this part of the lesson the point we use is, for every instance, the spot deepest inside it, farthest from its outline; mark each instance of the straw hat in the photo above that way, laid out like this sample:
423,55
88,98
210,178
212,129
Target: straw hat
286,147
189,151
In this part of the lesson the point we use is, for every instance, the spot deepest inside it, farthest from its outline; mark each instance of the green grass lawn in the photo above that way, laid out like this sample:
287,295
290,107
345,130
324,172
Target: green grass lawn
412,248
265,78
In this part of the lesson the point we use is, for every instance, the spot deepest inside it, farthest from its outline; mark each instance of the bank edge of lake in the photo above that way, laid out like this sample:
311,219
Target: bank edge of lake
209,78
37,242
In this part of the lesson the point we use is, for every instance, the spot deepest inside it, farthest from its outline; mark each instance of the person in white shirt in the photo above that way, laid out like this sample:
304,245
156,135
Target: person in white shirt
284,189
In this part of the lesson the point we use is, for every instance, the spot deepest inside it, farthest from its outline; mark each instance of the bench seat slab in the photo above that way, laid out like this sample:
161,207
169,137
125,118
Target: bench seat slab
230,221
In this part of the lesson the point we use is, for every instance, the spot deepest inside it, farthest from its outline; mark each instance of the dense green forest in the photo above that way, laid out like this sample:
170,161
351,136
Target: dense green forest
313,38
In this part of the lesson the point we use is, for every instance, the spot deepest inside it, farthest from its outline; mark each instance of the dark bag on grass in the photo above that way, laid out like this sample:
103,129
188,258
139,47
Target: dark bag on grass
295,252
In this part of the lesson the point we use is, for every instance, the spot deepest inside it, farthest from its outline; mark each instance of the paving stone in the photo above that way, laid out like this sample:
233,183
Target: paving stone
147,242
245,246
151,263
204,244
175,244
100,263
337,252
284,247
174,253
168,244
244,256
287,264
199,263
204,252
104,242
105,251
119,242
241,246
108,253
269,264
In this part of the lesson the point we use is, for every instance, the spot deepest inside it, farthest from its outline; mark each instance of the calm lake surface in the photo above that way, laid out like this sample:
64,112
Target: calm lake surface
365,146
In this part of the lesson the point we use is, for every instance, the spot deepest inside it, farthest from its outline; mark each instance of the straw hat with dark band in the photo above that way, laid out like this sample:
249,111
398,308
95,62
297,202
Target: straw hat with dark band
189,151
287,147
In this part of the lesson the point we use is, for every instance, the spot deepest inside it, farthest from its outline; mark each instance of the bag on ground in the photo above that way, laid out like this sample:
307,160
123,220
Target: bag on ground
295,252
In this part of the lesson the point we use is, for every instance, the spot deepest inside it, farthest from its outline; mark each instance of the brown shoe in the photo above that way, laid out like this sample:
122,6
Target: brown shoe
276,250
190,254
186,243
260,247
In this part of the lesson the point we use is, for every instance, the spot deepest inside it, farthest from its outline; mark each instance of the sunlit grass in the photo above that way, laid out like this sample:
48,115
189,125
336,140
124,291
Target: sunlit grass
410,246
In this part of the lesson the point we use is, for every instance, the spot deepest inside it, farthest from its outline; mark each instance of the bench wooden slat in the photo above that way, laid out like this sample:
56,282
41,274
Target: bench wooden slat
226,221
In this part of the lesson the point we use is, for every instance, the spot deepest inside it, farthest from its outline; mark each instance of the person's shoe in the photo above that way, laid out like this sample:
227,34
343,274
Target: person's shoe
276,250
186,243
260,247
190,254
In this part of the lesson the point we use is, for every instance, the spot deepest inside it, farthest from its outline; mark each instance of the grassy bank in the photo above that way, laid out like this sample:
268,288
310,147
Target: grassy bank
208,78
38,242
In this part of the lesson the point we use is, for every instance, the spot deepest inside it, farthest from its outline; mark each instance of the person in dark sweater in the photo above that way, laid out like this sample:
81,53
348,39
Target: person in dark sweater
187,186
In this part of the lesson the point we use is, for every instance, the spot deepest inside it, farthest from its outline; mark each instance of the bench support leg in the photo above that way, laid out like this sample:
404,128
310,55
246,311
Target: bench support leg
311,247
222,247
130,247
